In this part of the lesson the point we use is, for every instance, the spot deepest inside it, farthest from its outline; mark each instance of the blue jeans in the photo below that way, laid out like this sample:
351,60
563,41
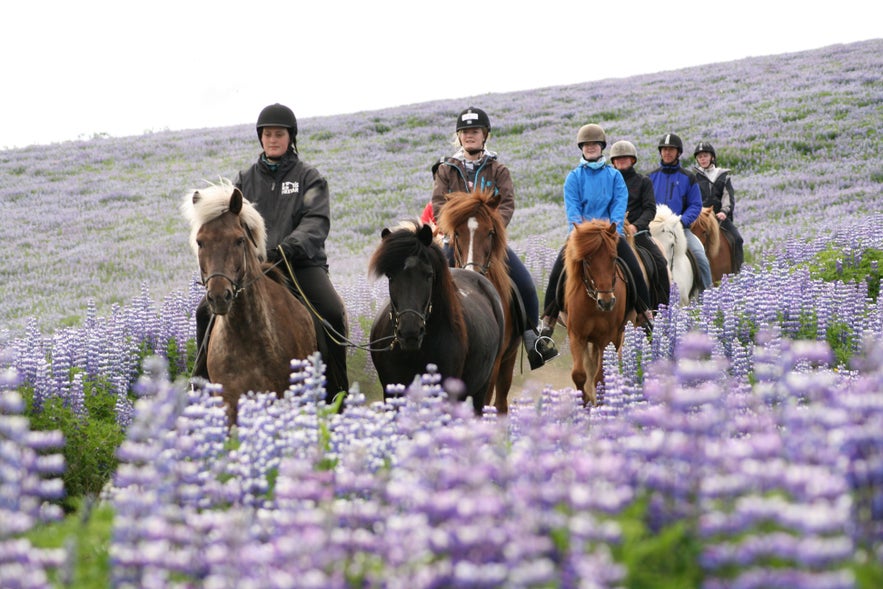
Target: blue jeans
695,246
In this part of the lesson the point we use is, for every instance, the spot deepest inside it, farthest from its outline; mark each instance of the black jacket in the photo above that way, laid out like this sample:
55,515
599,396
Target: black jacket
293,200
642,201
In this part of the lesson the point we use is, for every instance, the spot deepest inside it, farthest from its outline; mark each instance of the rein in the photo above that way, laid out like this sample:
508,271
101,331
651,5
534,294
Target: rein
336,337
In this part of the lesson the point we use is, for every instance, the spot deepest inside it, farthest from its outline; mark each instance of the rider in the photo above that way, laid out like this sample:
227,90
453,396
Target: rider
596,190
677,188
293,199
641,210
473,167
717,191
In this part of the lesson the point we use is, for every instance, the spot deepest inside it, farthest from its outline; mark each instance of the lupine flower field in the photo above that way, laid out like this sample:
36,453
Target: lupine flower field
740,447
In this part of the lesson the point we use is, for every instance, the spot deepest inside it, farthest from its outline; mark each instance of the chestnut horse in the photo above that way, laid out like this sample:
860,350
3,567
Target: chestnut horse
258,326
477,237
717,247
435,315
594,301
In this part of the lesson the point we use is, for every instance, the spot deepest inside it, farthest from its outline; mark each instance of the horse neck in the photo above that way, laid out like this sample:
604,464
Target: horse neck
447,307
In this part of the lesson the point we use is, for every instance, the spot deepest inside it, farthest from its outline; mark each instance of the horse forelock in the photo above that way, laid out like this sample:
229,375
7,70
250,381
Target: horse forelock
463,206
403,243
590,236
203,205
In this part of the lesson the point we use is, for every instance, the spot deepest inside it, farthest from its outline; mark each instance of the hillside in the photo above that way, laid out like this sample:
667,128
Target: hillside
98,220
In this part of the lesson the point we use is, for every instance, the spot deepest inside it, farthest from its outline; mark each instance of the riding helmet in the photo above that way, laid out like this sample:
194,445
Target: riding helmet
277,115
591,133
623,148
706,147
672,140
473,118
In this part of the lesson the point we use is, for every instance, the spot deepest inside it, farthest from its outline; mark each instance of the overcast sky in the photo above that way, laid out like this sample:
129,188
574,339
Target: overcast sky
74,69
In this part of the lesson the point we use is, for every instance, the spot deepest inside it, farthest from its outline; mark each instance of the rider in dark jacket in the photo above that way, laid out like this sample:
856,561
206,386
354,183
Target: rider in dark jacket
676,188
640,211
717,192
293,199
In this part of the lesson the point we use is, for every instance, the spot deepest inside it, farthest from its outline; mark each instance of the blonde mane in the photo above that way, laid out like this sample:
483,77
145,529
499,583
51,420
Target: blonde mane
206,204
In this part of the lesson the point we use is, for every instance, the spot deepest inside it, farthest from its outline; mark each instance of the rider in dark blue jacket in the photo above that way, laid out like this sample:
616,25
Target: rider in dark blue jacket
677,188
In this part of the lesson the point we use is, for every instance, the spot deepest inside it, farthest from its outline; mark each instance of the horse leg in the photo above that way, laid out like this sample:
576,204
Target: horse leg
504,379
578,372
593,365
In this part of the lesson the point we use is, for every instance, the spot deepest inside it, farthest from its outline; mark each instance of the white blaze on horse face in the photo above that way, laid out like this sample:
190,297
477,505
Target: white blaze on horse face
472,224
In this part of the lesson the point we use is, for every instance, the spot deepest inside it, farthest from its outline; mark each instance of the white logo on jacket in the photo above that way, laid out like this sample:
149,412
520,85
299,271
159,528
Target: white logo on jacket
290,187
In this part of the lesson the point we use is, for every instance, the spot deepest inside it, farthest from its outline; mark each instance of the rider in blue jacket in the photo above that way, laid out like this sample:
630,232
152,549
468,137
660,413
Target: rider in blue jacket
677,188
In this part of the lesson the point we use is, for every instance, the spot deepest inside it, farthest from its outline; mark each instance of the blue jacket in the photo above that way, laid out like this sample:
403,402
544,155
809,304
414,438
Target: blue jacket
595,193
677,188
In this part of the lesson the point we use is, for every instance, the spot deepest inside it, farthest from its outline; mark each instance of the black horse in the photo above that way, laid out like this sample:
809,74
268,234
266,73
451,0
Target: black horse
435,315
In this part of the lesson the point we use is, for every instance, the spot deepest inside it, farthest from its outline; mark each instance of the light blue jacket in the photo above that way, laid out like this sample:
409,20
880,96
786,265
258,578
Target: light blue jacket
593,191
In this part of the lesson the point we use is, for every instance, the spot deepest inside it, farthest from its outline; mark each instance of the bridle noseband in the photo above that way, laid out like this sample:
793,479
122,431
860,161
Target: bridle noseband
395,315
589,282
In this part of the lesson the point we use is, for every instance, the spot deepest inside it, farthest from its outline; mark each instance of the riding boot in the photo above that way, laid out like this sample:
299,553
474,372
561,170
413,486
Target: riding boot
540,348
644,320
547,325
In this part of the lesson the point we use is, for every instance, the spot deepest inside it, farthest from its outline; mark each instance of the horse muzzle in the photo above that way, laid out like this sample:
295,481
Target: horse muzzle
606,304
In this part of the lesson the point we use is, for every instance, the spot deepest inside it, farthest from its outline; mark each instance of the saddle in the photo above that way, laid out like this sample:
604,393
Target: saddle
658,295
697,280
731,239
519,312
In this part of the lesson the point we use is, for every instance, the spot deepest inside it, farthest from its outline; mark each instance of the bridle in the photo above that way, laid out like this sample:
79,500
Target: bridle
395,316
589,281
480,268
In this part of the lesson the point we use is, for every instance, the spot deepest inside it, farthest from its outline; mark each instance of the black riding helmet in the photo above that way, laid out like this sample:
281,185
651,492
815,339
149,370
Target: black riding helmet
278,115
706,147
671,140
473,118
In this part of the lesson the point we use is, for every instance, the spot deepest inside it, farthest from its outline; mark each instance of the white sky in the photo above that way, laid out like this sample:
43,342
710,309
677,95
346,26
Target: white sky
76,68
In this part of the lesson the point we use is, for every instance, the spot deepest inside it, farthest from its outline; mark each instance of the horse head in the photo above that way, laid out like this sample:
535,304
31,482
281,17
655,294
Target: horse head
407,256
477,234
228,236
668,231
591,255
707,229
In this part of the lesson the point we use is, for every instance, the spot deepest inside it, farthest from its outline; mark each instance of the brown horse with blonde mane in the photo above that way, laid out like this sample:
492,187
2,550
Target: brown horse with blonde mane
717,247
257,325
594,301
478,240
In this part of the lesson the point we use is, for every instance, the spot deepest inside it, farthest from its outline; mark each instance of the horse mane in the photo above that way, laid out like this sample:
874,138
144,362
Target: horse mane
586,239
402,242
460,206
665,219
708,224
199,206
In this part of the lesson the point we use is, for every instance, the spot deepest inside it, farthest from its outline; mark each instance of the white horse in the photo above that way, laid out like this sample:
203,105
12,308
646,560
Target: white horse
668,231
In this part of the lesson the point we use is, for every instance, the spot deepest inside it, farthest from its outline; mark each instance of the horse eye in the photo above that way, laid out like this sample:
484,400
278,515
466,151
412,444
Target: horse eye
199,243
240,241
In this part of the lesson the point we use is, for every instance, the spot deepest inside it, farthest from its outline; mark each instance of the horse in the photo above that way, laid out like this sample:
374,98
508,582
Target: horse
667,229
657,277
438,315
717,247
594,301
477,236
257,326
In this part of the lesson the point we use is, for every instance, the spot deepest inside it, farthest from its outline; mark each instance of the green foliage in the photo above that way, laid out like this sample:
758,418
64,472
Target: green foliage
666,559
832,264
91,440
87,532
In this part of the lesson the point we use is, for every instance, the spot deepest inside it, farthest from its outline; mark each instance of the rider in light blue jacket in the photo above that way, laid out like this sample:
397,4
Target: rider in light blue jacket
677,188
596,190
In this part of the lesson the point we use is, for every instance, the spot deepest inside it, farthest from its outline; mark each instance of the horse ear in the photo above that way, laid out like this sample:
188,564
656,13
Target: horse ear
612,229
196,196
384,232
425,234
236,201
